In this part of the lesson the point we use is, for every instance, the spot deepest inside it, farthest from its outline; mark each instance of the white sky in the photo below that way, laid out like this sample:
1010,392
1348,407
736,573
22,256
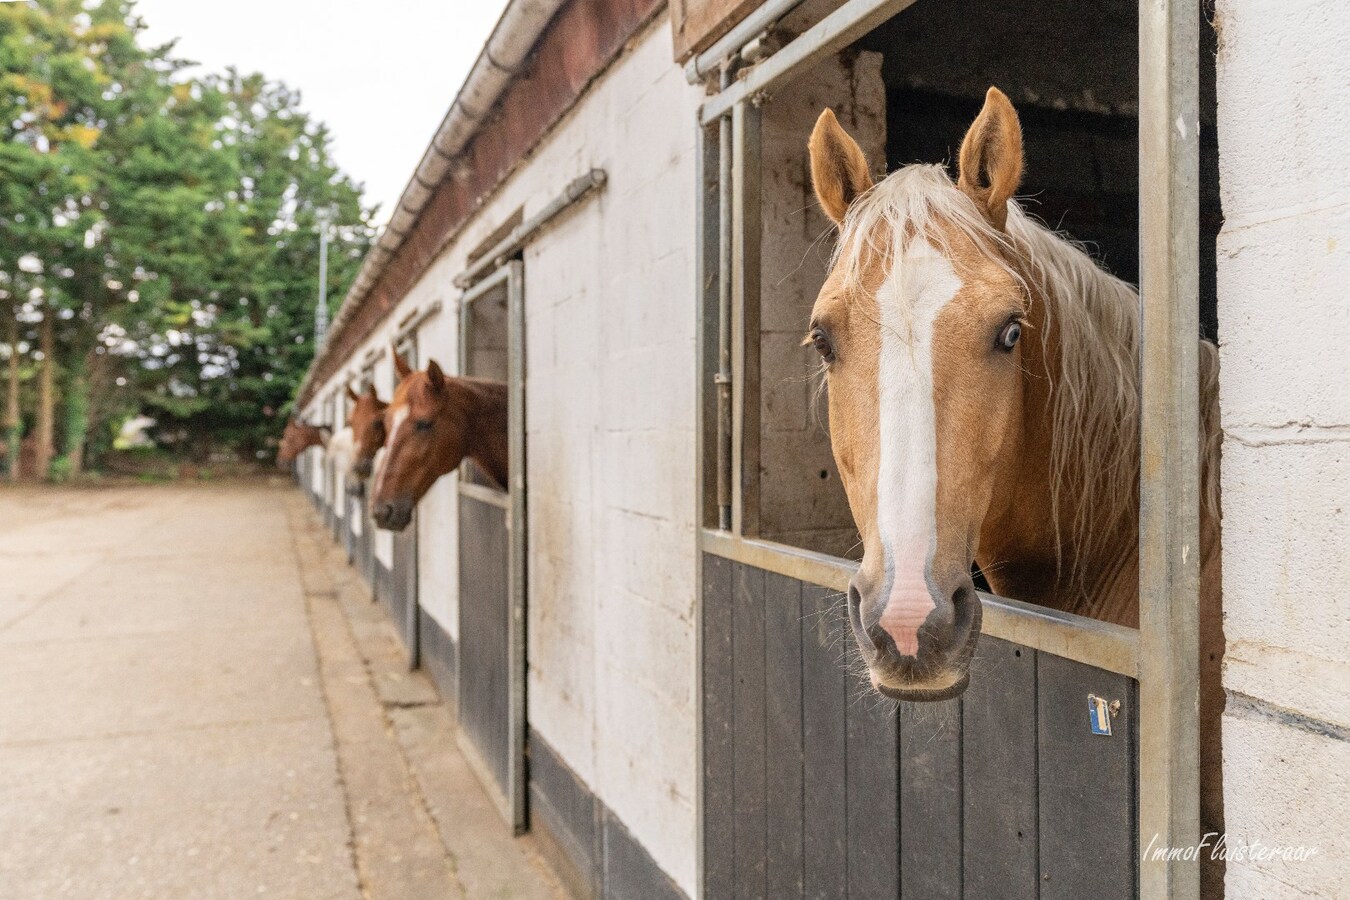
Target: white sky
380,73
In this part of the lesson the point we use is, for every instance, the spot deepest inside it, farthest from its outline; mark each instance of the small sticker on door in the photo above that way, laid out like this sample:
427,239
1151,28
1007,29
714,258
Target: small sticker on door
1099,715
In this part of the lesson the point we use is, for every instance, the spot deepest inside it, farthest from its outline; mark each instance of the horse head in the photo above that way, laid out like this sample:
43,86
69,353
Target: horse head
297,438
919,327
366,420
433,422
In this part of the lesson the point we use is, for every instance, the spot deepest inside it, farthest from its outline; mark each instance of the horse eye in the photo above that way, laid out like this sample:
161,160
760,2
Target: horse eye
422,425
821,341
1009,335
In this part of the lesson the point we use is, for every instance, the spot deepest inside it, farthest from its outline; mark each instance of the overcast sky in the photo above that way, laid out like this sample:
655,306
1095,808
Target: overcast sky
381,74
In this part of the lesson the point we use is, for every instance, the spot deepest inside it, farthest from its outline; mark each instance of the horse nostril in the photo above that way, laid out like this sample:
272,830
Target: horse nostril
958,595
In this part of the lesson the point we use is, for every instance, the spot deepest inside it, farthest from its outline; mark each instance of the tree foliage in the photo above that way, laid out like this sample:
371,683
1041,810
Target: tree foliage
167,223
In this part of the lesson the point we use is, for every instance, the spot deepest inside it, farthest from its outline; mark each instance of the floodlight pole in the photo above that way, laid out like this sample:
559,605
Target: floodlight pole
323,216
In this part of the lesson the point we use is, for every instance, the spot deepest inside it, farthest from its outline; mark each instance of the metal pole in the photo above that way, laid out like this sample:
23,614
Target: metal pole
831,34
321,308
1169,531
731,43
724,284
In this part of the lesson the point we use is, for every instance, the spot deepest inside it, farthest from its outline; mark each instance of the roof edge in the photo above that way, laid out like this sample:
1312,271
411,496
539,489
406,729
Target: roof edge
504,54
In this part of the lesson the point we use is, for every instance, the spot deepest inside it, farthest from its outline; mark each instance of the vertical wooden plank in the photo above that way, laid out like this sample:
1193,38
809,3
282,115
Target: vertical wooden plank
1088,844
824,746
998,714
873,794
749,788
719,863
783,733
930,800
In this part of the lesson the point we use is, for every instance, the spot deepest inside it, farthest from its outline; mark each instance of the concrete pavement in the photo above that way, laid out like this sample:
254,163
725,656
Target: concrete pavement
198,700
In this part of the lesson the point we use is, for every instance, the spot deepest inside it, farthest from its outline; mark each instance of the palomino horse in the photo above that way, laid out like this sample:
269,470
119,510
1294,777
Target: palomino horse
297,438
434,422
366,420
983,408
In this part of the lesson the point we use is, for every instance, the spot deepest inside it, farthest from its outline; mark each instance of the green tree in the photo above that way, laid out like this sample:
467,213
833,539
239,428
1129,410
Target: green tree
237,344
159,230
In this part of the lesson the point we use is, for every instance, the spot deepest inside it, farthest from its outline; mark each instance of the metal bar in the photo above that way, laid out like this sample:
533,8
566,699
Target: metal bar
832,33
518,788
745,317
1169,506
705,463
484,494
521,235
724,275
705,332
1114,648
415,320
730,44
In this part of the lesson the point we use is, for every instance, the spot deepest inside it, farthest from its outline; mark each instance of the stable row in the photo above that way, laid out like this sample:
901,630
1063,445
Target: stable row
773,526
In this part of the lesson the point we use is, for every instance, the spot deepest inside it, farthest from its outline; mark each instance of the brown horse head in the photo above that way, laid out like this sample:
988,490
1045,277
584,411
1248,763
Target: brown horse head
297,438
943,425
367,423
434,422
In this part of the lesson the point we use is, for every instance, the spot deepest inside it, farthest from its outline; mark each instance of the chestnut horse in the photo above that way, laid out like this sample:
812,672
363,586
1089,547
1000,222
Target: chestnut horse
297,438
434,422
366,421
984,408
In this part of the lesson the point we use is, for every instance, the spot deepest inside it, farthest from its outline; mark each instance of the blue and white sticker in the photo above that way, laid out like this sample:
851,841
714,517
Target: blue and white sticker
1099,715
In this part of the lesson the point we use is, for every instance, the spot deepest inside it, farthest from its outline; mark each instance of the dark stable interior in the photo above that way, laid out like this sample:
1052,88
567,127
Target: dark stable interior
1072,71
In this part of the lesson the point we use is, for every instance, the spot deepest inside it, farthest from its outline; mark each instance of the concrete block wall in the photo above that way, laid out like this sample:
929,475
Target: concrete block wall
797,505
1284,324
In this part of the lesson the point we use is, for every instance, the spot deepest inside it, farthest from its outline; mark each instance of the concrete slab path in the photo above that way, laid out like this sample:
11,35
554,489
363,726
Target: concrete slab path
197,700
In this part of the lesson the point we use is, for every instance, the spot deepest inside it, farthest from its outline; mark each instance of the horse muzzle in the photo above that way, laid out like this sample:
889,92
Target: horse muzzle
393,516
939,667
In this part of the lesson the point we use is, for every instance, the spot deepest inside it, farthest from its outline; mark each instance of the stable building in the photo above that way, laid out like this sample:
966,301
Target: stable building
643,635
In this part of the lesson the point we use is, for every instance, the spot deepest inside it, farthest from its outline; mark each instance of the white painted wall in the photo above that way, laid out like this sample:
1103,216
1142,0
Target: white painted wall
384,386
437,514
610,318
316,470
1284,321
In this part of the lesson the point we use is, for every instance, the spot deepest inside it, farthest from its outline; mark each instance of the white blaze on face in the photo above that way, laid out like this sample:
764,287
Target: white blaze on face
909,302
400,416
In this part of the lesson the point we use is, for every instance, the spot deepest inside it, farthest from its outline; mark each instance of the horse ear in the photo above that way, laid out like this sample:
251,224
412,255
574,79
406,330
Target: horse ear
400,365
436,376
991,158
838,167
352,395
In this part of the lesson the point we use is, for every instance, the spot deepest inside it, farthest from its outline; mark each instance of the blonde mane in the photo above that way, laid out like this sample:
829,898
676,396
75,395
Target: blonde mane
1094,381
